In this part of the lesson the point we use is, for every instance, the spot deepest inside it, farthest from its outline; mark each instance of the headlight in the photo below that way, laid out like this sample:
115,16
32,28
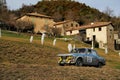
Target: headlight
70,58
59,59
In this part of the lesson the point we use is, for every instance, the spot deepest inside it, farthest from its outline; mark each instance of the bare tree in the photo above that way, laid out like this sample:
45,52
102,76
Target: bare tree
108,11
57,16
23,26
70,15
56,32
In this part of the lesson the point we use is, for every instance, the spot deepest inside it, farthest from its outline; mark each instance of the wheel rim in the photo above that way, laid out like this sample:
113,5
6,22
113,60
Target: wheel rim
79,62
99,65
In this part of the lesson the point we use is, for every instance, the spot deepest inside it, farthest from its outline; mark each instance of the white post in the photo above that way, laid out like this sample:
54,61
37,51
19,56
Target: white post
92,37
106,50
119,53
54,42
69,47
42,38
92,44
31,39
74,46
65,39
0,32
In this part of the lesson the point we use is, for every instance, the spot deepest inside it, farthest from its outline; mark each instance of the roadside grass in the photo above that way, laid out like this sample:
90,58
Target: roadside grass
117,66
22,37
13,34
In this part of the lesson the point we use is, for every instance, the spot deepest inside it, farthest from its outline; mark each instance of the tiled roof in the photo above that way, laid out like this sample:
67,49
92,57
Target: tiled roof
92,25
116,32
62,22
95,24
38,15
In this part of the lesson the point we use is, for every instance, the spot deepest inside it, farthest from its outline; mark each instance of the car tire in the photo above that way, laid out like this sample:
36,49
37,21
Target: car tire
99,65
79,62
61,64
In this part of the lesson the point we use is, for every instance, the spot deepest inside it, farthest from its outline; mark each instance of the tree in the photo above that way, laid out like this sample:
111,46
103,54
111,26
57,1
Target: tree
3,10
70,15
56,32
57,16
109,11
23,26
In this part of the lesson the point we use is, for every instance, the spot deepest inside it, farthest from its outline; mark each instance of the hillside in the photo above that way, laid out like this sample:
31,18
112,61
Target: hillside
21,60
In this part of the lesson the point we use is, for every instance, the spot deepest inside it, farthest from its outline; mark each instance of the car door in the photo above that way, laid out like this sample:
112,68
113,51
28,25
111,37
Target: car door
91,58
88,57
95,57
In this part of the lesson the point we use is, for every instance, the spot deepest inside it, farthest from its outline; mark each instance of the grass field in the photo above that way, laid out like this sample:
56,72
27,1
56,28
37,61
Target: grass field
21,60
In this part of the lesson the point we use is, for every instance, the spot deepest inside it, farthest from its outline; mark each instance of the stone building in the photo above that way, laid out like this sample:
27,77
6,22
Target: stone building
102,32
41,22
67,27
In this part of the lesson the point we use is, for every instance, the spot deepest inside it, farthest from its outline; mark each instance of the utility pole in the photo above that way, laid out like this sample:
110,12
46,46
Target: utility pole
3,3
92,37
0,32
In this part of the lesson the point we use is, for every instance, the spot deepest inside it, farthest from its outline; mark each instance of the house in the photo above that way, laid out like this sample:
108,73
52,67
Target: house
41,22
67,27
117,40
101,32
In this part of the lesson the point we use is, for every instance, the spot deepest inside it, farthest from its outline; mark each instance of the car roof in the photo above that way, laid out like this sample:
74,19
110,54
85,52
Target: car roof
83,48
86,48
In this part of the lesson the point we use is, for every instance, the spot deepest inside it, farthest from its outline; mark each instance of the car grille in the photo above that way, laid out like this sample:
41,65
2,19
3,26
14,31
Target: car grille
64,57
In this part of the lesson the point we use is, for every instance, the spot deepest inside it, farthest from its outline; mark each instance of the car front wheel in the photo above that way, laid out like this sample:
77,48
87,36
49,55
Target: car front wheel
79,62
99,65
61,64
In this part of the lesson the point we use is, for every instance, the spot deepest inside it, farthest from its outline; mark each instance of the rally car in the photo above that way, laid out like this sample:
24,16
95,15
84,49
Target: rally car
80,57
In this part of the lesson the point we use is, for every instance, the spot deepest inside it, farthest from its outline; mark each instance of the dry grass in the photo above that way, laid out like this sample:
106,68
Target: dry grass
20,60
50,72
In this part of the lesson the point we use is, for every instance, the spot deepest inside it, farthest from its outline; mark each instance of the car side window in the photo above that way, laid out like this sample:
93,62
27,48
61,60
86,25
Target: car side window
82,50
94,53
89,51
74,51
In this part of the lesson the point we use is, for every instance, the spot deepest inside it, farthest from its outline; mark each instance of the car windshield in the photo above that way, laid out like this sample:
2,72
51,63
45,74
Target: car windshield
80,50
95,53
74,51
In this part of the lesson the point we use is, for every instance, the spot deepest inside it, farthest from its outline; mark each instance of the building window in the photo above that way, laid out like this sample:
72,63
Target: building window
93,29
71,24
66,24
70,31
100,29
76,25
88,38
110,36
110,29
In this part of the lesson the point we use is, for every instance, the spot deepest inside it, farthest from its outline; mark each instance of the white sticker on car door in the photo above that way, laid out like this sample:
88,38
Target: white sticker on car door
89,59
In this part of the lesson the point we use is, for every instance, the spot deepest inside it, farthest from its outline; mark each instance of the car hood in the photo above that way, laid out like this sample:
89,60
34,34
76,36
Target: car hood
70,54
65,55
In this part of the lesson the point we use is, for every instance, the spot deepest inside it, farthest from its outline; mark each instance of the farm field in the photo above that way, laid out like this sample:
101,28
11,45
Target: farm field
21,60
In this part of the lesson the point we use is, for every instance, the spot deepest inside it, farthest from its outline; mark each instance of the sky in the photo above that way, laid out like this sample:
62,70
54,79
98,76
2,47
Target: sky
101,5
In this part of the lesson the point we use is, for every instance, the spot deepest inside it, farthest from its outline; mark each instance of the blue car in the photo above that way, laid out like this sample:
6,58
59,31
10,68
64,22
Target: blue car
80,57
